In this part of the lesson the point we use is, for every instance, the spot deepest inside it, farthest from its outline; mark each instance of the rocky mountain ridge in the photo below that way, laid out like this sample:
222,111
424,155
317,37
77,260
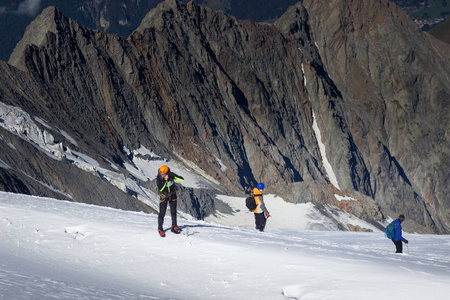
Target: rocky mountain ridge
245,102
123,17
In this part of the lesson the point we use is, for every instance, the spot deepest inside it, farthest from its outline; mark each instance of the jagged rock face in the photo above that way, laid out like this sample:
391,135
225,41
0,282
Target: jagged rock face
201,86
395,88
218,97
26,169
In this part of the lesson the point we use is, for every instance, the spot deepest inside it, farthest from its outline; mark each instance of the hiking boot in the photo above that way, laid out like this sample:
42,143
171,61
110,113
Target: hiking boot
176,229
161,233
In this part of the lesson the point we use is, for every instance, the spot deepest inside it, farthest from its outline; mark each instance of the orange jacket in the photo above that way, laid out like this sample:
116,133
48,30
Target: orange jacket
260,206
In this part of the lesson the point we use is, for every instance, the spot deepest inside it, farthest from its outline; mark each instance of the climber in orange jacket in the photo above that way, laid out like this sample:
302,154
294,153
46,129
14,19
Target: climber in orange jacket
261,212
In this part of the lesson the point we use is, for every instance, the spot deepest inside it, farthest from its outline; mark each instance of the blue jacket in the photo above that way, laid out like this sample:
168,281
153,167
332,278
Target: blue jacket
398,231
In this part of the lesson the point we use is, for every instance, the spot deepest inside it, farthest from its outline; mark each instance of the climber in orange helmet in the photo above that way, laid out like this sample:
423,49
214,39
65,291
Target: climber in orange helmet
167,195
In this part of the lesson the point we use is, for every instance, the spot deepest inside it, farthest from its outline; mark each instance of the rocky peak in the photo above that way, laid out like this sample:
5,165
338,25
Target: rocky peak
51,20
171,12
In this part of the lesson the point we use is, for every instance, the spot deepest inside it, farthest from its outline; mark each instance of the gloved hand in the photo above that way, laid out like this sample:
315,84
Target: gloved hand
405,241
267,215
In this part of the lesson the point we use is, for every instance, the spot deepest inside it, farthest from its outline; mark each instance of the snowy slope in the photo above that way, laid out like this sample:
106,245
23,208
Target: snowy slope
51,249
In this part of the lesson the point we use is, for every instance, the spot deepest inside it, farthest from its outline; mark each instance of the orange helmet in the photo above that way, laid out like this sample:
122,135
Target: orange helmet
164,169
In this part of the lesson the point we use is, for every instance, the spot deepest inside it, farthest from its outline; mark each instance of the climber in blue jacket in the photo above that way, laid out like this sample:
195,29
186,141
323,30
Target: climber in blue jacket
398,239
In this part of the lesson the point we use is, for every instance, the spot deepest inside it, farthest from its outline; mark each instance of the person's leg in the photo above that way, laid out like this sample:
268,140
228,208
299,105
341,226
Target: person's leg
162,213
173,212
398,246
264,220
260,221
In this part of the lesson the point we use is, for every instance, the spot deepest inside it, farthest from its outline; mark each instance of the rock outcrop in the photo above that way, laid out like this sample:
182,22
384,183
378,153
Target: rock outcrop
394,82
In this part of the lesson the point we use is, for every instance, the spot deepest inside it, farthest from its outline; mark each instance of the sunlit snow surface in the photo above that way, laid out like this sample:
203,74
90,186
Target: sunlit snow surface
51,249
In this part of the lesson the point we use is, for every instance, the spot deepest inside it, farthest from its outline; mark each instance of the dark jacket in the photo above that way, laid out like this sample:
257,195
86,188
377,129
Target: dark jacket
168,187
398,231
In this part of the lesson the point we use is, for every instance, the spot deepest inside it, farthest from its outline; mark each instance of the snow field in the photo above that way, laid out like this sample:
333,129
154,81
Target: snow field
51,249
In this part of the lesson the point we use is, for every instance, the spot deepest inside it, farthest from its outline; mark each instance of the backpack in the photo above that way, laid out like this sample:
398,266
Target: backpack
250,203
390,231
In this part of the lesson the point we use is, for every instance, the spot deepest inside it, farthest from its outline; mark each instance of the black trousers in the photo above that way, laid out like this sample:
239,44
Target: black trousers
260,221
398,246
162,212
